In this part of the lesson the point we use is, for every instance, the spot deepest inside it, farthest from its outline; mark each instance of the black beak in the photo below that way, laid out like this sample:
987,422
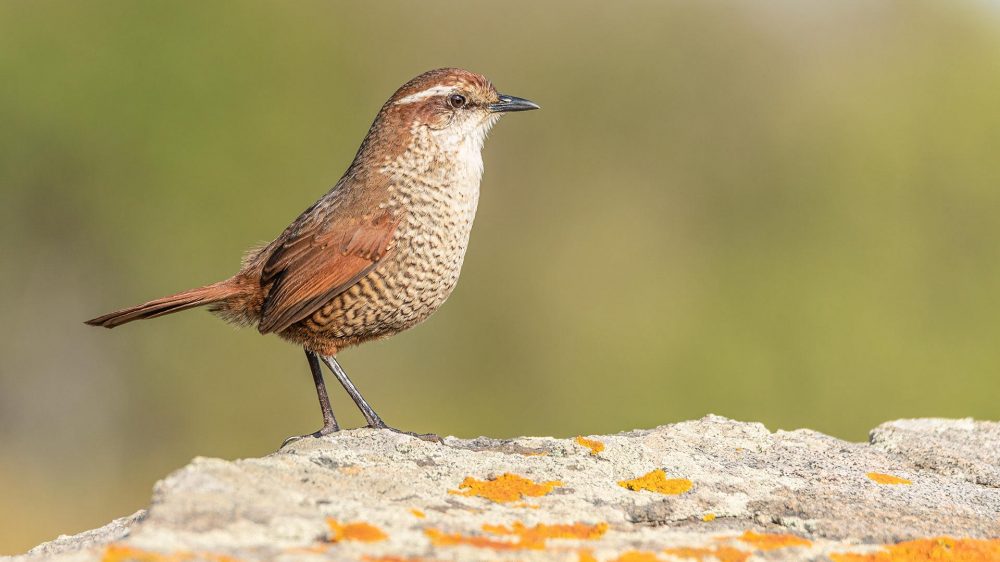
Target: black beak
511,103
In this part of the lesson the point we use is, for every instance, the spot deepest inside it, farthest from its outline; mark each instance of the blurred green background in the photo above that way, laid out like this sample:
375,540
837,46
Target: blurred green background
780,211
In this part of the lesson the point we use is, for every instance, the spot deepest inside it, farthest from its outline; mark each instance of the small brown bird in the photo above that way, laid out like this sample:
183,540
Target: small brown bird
382,250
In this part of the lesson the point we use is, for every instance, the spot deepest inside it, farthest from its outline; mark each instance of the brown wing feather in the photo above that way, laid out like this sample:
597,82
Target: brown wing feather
312,267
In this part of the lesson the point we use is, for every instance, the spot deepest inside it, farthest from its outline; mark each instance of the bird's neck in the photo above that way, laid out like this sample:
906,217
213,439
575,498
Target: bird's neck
437,161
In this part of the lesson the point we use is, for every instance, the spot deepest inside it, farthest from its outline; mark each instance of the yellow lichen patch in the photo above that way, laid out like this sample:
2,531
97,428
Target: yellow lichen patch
719,553
535,536
121,553
418,514
637,556
772,541
358,531
657,481
521,536
937,549
118,553
708,517
526,505
880,478
586,556
506,488
592,444
440,538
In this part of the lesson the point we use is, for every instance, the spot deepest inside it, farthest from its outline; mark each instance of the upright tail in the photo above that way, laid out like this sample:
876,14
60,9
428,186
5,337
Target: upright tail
167,305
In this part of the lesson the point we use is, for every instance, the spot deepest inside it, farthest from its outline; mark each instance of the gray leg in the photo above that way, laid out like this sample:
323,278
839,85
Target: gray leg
366,410
329,420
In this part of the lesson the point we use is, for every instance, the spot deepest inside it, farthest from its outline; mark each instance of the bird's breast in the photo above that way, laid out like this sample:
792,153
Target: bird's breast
433,235
432,188
435,197
435,192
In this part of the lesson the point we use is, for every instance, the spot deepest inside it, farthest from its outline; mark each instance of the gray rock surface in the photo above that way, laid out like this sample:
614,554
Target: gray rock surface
728,490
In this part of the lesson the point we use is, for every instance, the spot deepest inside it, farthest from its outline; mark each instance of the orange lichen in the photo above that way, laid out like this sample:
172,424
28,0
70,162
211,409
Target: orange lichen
418,514
708,517
440,538
719,553
535,536
506,488
526,505
118,553
637,556
880,478
357,531
585,556
592,444
657,481
524,537
937,549
122,553
772,541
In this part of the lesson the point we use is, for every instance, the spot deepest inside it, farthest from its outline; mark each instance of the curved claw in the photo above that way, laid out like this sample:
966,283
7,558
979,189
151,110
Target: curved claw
323,431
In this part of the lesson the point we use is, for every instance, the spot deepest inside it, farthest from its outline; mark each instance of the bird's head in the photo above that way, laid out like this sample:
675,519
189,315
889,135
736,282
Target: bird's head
455,107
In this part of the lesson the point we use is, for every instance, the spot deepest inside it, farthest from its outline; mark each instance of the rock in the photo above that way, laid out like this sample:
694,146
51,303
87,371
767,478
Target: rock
711,489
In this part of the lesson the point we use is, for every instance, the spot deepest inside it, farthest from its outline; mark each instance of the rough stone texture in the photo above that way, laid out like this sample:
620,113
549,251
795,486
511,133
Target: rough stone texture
103,536
377,495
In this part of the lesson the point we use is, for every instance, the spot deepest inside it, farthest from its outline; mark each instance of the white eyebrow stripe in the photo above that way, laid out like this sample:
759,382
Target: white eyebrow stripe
424,94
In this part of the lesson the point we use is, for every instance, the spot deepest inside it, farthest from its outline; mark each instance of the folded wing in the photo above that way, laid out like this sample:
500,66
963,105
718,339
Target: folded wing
318,261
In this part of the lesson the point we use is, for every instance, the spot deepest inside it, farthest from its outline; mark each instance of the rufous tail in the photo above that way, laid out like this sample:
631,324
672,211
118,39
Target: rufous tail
167,305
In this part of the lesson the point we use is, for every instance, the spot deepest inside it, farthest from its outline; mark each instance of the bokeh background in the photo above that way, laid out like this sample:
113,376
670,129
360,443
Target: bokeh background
780,211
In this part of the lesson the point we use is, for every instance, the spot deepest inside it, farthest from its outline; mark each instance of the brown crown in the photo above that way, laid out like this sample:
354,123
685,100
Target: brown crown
458,78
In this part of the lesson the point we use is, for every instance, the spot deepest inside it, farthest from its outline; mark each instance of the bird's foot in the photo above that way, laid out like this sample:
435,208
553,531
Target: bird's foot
325,430
432,437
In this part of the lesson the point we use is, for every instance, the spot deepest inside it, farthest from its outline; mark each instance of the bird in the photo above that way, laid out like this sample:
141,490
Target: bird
380,251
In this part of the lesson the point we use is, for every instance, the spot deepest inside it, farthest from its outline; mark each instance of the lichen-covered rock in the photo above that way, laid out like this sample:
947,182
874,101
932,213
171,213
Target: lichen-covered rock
712,489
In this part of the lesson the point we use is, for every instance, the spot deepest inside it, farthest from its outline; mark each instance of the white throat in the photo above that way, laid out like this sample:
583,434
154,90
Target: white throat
465,145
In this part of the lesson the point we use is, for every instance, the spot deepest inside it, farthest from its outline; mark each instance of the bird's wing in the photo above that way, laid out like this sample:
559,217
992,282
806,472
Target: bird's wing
319,258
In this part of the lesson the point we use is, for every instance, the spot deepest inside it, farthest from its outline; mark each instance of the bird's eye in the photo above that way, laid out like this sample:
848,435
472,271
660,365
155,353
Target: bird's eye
457,101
